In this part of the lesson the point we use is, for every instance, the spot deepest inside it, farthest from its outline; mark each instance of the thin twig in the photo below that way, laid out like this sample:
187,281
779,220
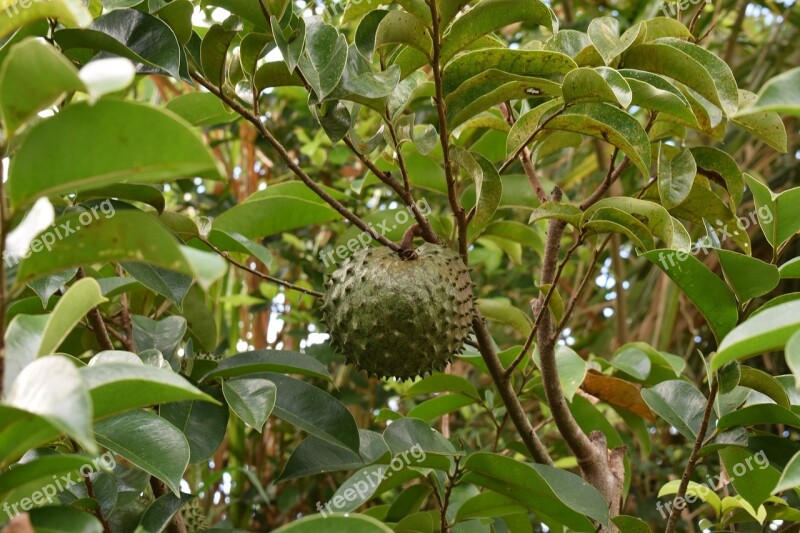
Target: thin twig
542,307
225,255
690,466
530,138
293,165
444,135
96,321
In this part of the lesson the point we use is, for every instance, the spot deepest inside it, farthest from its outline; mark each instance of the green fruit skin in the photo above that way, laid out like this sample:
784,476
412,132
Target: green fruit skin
398,318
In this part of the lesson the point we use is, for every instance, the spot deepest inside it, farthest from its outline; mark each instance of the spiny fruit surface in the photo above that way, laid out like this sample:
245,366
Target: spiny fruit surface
393,317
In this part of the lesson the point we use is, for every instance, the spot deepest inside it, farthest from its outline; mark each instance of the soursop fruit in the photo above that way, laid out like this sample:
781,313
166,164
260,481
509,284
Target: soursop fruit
396,317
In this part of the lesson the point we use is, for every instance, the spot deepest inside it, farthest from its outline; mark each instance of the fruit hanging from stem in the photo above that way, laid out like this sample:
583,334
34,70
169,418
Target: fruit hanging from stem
402,315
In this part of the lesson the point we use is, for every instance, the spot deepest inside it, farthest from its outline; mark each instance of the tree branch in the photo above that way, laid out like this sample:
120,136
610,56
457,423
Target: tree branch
444,136
96,321
266,277
525,158
507,393
690,466
292,164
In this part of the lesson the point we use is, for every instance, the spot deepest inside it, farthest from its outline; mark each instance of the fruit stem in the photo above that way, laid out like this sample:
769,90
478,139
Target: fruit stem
407,251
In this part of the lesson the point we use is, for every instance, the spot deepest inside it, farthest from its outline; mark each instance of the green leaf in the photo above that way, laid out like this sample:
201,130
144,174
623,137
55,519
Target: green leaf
488,504
70,13
599,84
409,434
720,167
753,484
490,15
571,369
655,92
675,177
203,423
70,309
766,125
769,330
63,519
33,77
758,414
149,442
46,286
52,388
748,277
631,524
434,408
613,220
793,355
569,213
314,411
777,213
762,382
116,387
159,513
25,478
258,361
171,285
604,35
140,37
316,456
291,206
109,142
720,72
679,403
779,94
548,491
505,313
790,478
695,489
400,27
537,63
327,53
656,218
668,60
252,399
290,40
214,51
146,240
163,335
147,194
336,523
607,123
443,383
706,291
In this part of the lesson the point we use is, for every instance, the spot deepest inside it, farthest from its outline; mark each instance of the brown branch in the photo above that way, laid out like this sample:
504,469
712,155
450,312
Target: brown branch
690,466
293,165
428,233
444,135
525,158
96,321
507,393
530,138
225,255
541,307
